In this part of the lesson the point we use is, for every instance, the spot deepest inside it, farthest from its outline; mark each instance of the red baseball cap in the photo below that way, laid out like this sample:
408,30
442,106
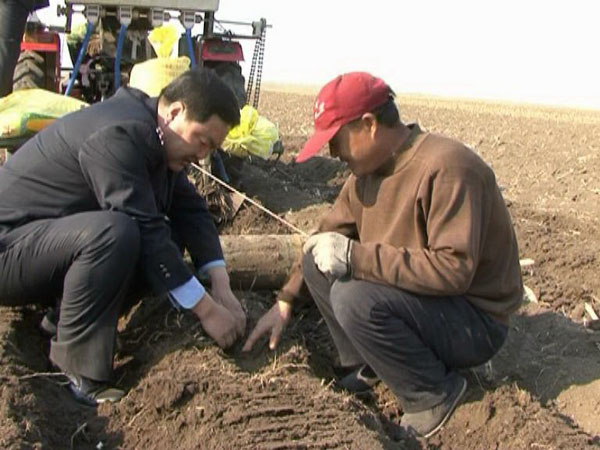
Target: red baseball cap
342,100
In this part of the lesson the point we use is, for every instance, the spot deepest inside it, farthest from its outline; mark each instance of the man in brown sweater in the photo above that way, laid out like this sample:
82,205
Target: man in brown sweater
415,269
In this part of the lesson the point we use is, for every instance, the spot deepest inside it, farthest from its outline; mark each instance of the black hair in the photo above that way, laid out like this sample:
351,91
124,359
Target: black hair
204,94
386,114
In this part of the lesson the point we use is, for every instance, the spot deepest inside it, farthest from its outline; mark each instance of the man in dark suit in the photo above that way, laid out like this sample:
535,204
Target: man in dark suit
13,17
99,199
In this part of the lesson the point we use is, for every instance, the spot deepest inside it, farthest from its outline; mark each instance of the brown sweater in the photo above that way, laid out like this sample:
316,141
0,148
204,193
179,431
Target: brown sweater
433,222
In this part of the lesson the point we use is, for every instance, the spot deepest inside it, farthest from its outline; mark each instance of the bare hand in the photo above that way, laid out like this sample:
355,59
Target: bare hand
226,298
274,321
217,321
222,293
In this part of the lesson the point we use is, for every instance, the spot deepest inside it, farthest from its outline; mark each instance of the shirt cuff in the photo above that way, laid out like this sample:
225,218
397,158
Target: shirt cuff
189,293
216,263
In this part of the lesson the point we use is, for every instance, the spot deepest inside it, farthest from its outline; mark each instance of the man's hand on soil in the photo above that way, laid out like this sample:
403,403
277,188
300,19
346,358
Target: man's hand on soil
226,298
274,321
217,321
222,293
331,252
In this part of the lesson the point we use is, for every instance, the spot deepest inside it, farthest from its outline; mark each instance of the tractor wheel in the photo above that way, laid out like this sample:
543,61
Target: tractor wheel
231,74
29,72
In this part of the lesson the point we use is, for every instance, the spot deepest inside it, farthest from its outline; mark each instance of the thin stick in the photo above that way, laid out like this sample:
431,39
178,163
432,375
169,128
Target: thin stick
591,311
42,374
258,205
80,429
136,416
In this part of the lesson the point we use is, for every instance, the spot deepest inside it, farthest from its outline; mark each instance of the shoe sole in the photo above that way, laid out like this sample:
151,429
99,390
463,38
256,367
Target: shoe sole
455,403
116,397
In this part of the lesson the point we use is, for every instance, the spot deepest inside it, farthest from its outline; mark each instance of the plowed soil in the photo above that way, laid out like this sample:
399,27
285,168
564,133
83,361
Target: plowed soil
542,391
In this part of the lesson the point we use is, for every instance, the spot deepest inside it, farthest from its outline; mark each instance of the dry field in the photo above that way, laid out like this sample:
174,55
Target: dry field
543,391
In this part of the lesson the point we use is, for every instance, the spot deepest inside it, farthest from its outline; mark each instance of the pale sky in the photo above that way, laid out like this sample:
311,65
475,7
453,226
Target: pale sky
520,50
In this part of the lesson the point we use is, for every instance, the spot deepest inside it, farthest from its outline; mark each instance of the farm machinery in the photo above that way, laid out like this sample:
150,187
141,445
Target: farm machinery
114,38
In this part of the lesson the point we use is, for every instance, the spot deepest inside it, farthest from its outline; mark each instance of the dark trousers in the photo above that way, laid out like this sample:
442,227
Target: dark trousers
13,17
87,260
413,343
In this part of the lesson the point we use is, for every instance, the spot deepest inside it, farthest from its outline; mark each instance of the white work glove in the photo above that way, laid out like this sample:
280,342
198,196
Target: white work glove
331,252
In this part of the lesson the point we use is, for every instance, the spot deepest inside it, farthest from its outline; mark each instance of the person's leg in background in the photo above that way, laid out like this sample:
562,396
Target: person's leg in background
13,17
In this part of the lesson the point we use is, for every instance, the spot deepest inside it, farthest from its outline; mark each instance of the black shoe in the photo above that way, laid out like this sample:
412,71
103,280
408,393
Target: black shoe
427,423
92,393
360,381
49,323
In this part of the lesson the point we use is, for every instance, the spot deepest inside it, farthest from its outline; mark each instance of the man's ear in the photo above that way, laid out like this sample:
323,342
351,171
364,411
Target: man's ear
174,109
370,123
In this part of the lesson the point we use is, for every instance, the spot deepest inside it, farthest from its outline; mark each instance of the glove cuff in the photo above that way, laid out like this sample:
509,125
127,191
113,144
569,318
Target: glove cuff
349,256
285,296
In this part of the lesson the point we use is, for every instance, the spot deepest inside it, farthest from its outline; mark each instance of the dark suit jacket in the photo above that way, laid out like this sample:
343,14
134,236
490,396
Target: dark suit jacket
33,5
109,156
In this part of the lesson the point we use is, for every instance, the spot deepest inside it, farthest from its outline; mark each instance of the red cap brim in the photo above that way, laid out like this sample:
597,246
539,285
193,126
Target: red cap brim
316,143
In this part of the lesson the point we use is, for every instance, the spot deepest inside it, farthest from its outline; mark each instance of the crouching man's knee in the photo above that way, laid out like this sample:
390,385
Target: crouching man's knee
309,269
123,232
350,300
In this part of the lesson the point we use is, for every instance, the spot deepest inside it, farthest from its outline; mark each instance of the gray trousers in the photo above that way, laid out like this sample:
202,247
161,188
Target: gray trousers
13,17
414,343
86,260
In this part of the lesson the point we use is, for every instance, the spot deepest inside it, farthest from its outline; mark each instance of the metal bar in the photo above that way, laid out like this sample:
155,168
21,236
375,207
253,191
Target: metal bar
177,5
234,36
233,22
209,24
39,46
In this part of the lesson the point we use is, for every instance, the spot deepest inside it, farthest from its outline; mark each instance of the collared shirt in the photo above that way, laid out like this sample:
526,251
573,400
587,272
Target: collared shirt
191,292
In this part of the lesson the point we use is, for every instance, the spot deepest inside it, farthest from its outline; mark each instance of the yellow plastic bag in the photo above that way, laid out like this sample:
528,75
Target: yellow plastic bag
163,39
255,135
28,111
153,75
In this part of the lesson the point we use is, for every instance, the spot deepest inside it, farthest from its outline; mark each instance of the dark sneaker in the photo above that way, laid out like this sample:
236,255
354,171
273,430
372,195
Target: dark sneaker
49,323
427,423
92,393
360,381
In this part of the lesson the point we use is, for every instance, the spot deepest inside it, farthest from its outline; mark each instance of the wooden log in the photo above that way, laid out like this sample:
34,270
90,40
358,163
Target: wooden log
261,261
